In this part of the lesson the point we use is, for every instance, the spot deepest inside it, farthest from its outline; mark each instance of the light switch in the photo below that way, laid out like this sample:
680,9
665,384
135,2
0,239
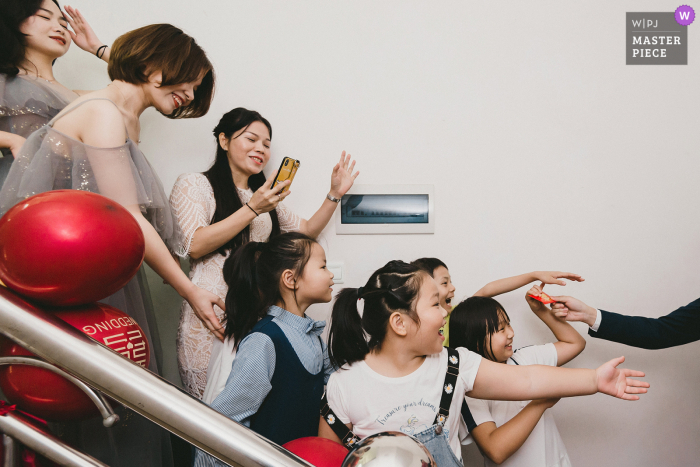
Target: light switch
336,267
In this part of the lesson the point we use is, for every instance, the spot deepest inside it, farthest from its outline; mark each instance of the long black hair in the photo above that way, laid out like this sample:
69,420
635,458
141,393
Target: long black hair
253,275
12,14
472,323
394,287
221,179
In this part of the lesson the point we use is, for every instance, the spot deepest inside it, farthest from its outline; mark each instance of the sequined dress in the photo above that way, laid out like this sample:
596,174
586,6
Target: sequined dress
51,160
26,104
194,204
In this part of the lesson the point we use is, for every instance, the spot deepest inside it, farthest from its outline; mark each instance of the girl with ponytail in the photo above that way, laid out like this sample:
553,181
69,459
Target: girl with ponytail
395,374
281,363
226,207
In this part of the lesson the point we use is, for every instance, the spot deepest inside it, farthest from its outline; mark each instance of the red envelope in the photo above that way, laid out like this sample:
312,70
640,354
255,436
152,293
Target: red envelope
544,298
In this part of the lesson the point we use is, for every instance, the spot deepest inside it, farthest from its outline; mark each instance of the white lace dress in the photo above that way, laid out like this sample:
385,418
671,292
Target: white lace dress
193,202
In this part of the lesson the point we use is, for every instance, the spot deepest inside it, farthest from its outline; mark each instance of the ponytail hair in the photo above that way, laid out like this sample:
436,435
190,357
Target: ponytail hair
253,275
392,288
472,323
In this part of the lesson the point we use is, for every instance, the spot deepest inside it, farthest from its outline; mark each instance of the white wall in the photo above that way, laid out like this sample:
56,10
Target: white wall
546,151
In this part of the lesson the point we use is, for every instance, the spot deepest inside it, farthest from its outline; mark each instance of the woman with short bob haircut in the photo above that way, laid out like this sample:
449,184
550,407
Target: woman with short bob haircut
166,49
92,145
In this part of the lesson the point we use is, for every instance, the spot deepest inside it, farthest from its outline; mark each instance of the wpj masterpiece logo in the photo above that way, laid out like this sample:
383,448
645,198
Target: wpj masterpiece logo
659,38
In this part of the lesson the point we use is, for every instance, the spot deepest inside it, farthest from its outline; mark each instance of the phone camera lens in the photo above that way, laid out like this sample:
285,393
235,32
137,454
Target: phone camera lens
286,163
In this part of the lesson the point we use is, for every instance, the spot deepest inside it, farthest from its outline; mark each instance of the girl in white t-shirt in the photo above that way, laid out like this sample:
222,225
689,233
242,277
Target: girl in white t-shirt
513,433
402,379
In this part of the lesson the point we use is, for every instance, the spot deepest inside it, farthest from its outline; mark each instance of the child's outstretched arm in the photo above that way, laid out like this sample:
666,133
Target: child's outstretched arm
508,284
499,443
569,342
516,383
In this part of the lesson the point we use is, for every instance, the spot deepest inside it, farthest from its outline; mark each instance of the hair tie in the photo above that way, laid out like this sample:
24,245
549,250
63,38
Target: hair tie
254,211
101,49
359,293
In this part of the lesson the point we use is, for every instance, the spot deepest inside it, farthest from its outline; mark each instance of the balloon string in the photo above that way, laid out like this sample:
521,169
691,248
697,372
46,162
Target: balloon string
6,408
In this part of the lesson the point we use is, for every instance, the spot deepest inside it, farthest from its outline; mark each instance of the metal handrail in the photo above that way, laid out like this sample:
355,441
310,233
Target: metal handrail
16,427
156,399
109,418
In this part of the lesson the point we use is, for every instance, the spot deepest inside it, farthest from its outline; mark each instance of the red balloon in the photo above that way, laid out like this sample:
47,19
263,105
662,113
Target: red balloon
47,395
320,452
69,247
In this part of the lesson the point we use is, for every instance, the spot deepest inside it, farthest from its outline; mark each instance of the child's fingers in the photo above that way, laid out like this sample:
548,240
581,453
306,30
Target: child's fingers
571,276
635,390
636,374
616,361
627,397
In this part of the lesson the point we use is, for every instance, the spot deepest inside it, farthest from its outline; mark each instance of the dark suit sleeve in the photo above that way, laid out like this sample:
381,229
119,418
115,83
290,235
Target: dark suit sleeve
677,328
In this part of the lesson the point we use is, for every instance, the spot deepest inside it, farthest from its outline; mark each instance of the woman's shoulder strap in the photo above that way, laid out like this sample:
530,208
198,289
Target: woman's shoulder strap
67,110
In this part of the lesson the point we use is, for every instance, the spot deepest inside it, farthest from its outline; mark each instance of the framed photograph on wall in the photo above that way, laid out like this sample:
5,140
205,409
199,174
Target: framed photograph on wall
386,209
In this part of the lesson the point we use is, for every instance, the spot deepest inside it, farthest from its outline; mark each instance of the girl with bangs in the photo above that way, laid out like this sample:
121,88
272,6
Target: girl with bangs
281,365
513,433
92,145
33,34
402,378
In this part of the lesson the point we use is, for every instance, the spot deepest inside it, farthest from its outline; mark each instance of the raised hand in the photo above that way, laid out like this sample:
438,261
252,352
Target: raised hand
573,309
265,199
82,34
553,277
535,305
619,382
342,177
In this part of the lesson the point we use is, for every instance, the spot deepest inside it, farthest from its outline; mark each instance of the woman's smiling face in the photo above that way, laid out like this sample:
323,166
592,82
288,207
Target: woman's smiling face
167,99
47,31
249,149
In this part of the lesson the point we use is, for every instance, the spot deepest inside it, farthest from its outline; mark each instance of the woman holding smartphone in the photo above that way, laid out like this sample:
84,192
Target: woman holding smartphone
227,206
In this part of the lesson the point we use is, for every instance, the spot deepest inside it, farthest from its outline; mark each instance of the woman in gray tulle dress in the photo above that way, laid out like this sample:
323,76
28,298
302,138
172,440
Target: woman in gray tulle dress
33,34
92,145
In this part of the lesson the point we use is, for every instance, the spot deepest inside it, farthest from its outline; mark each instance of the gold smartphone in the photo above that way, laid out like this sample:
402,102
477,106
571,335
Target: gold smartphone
288,169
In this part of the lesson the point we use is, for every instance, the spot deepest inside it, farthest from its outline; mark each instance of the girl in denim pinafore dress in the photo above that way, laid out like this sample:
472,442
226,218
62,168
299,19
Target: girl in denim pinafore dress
395,375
